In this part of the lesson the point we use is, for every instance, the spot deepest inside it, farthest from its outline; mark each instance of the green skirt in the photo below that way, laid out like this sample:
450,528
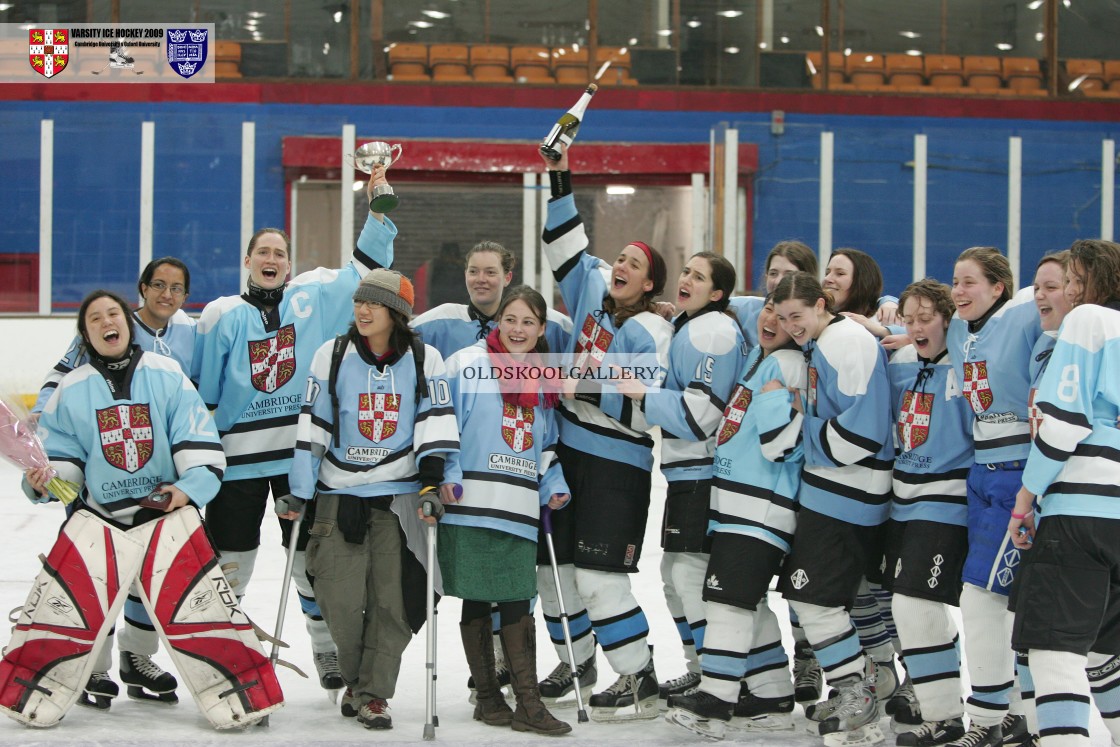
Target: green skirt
486,565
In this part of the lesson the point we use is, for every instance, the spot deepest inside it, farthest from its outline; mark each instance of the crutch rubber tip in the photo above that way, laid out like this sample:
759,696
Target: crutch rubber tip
582,718
429,732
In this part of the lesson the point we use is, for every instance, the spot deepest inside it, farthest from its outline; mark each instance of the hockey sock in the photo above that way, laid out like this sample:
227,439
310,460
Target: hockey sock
883,598
620,625
834,640
105,655
730,631
682,577
317,630
1025,685
930,645
579,624
1104,682
873,635
991,662
768,674
1061,697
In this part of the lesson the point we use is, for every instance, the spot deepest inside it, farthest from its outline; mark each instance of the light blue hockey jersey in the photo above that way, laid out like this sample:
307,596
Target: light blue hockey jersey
847,440
451,327
253,365
120,445
609,424
1074,462
993,369
507,454
932,437
758,456
1040,358
746,310
176,340
706,357
383,432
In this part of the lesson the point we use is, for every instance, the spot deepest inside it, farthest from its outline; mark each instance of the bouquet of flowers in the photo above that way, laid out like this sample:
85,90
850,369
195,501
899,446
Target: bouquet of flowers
20,445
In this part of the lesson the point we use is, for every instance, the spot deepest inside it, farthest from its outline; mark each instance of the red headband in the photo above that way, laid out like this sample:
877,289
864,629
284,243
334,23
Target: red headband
645,250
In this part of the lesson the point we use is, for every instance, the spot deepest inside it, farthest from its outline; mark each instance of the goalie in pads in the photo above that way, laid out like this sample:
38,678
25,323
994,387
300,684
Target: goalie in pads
126,425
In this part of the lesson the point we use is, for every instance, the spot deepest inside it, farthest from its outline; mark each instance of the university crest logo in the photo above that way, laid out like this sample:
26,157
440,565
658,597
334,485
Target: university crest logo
811,393
976,386
49,50
517,426
734,413
378,415
186,50
126,436
1034,414
592,344
913,419
272,362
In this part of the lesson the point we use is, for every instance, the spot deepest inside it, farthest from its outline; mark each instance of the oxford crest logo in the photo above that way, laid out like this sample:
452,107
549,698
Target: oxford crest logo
272,362
126,436
48,50
186,50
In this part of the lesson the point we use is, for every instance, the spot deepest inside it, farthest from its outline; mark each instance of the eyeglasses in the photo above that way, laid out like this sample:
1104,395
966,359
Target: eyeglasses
371,304
160,286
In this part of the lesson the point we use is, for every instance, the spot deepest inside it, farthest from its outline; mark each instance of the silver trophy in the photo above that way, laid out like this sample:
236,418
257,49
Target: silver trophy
378,153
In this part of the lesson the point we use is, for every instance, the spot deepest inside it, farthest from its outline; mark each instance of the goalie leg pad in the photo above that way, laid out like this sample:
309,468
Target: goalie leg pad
66,619
211,641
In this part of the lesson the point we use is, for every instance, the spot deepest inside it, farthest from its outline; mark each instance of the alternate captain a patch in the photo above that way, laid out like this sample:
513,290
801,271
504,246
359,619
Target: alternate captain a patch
976,386
734,414
517,426
914,418
126,436
272,361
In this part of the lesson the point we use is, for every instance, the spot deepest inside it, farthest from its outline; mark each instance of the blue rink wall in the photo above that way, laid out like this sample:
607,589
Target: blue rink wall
198,173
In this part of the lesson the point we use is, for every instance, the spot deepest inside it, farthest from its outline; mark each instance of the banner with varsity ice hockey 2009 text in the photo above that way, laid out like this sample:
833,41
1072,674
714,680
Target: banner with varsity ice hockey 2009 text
54,52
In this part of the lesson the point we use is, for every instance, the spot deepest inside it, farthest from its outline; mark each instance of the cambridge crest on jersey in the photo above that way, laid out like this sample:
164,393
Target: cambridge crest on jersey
914,418
272,362
127,440
592,344
378,415
976,386
811,392
734,413
517,426
1034,414
48,50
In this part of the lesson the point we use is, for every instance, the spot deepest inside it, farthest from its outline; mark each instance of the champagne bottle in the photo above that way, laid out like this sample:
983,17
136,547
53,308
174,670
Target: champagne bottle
565,129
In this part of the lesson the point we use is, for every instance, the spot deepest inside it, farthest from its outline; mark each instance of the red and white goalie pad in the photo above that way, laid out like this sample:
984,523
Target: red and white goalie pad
216,653
67,616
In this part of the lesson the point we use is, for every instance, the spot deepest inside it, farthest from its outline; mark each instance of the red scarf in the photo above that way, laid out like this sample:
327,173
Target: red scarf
513,390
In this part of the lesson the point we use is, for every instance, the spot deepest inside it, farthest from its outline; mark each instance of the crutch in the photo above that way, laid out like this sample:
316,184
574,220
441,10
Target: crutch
431,721
546,521
293,540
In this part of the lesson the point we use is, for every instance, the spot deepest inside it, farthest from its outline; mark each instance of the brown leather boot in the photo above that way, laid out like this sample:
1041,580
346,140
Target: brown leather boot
520,643
490,707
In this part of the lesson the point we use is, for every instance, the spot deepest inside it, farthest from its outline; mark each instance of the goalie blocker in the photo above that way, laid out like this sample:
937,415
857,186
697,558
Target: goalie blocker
81,590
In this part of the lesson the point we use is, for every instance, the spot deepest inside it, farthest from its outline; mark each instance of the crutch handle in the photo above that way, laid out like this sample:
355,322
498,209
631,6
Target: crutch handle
546,518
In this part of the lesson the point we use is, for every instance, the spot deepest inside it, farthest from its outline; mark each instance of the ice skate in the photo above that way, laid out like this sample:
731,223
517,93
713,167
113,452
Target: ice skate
886,681
808,679
686,683
856,722
330,677
932,733
119,57
638,691
99,692
146,680
558,684
904,710
817,712
500,668
979,736
376,714
1015,733
753,713
700,712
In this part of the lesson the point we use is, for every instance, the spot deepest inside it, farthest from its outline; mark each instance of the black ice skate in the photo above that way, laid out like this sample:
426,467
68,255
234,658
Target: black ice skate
701,713
686,683
808,679
980,736
638,691
932,734
558,684
1016,733
753,713
146,680
903,708
330,676
99,692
